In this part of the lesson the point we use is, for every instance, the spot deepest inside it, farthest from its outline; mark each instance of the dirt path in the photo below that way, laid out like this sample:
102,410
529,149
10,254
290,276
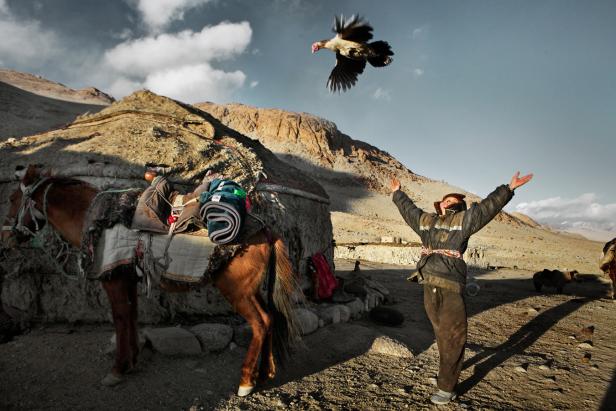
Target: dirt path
521,355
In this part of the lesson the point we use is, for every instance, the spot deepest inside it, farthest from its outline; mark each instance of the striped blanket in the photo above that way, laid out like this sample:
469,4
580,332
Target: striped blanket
183,257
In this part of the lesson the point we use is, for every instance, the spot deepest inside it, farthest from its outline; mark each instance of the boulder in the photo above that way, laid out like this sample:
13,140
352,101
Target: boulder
173,341
345,313
357,307
213,337
307,320
387,346
330,315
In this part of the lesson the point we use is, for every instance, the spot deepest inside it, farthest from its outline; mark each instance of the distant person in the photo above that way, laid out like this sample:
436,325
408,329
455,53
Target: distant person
444,237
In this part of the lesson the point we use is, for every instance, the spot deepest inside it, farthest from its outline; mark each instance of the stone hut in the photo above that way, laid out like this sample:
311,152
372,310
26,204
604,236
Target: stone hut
111,150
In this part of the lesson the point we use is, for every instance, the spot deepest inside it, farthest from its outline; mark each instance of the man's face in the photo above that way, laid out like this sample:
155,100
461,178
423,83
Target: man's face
448,202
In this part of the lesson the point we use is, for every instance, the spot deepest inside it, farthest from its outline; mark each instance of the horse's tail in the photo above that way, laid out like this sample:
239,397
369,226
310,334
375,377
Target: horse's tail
282,288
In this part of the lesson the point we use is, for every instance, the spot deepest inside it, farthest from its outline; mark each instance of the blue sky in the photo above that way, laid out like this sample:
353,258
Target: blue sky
477,89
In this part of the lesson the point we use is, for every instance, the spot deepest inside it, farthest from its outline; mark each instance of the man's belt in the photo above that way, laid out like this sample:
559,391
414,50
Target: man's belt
448,253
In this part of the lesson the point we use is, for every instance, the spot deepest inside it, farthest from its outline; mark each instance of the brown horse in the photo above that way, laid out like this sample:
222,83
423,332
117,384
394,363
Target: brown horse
63,203
608,263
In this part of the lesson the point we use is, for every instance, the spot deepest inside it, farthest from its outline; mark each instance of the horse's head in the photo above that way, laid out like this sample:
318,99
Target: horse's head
24,217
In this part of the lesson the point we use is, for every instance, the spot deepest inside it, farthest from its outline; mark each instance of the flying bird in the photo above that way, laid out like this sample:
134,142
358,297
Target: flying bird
353,51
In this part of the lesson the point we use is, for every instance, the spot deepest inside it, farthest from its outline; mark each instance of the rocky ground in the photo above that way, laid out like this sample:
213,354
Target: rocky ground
525,351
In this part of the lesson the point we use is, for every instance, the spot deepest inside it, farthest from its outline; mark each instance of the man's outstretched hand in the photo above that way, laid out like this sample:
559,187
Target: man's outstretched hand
517,181
394,184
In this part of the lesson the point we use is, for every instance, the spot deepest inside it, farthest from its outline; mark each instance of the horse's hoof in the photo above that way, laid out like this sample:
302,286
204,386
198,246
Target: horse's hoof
111,379
244,391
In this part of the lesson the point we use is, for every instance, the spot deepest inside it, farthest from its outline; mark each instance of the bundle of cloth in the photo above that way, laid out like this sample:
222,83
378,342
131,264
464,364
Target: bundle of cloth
223,208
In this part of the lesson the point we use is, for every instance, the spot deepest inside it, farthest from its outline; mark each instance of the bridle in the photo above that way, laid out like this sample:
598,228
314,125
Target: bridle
28,206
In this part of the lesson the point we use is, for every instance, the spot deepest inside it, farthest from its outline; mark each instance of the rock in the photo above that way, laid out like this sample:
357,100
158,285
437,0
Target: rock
585,345
375,285
532,311
586,358
213,337
551,378
321,323
388,239
544,367
357,307
242,335
433,380
173,341
345,313
520,368
330,315
307,320
387,346
586,333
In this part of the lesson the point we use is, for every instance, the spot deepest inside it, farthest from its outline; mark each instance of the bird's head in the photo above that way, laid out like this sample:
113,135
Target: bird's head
317,46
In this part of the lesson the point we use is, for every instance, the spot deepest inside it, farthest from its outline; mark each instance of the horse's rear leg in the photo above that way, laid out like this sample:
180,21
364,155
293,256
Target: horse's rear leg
267,368
118,289
249,309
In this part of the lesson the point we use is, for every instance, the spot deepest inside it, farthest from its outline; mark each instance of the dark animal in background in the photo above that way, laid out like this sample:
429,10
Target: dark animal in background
353,51
553,278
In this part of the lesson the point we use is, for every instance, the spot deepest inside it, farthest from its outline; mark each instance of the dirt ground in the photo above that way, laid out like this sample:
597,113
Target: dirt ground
522,353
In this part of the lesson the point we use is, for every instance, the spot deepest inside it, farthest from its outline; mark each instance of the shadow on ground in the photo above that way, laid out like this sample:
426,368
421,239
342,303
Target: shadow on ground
341,342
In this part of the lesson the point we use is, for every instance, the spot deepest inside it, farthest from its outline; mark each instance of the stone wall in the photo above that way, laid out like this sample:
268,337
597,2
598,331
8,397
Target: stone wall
475,257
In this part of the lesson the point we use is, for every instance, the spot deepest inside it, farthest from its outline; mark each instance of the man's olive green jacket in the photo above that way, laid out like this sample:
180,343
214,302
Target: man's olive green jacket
449,232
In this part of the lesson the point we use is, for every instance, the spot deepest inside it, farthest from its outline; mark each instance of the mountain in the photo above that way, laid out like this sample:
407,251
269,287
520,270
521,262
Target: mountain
356,177
30,104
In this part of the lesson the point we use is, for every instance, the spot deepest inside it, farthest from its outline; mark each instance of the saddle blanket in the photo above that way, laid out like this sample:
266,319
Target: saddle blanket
183,257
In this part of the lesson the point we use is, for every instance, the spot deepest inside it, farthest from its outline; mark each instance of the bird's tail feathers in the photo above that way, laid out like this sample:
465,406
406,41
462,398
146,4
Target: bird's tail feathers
383,52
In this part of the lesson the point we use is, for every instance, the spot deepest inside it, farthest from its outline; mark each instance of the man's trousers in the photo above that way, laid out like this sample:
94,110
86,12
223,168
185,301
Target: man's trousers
447,313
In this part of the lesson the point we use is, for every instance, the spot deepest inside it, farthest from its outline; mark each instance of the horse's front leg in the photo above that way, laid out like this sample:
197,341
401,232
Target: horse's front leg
133,335
118,292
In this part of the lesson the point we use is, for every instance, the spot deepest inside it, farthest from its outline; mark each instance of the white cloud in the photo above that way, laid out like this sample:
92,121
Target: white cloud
254,84
157,14
581,212
195,83
180,65
25,42
382,94
142,56
123,86
418,72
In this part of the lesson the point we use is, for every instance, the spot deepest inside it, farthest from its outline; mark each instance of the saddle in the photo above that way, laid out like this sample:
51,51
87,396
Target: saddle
161,209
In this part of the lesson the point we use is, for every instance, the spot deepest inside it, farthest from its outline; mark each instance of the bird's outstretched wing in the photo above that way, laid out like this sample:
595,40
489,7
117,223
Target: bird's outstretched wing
344,75
354,29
